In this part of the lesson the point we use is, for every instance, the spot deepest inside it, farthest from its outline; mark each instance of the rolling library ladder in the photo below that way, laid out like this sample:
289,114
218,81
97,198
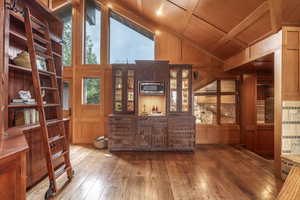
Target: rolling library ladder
43,36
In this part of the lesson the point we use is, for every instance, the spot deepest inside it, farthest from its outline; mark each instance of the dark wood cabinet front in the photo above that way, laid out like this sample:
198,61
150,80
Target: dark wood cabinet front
151,120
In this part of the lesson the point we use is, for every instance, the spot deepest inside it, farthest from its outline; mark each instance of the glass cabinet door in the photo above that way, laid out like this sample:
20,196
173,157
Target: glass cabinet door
130,90
118,91
185,91
173,90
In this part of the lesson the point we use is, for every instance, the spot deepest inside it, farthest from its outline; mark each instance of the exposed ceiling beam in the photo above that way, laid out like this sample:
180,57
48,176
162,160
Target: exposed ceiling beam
190,13
140,5
275,14
153,26
253,17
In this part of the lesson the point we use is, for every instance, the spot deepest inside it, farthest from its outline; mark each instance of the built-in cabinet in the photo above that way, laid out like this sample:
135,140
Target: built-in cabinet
180,89
162,117
257,113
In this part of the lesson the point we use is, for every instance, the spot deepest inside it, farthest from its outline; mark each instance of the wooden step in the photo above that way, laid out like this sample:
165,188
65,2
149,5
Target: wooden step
51,105
54,121
60,171
38,22
40,39
44,55
46,72
59,155
49,88
55,139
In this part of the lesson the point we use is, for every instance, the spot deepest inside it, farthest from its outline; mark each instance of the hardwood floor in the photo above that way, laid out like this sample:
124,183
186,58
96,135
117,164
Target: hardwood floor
213,172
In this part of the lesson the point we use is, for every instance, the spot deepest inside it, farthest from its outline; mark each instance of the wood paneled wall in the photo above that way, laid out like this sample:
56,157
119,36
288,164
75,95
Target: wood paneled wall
217,134
89,121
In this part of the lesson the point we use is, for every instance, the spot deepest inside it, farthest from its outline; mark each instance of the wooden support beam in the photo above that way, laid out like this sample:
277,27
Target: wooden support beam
276,14
258,50
253,17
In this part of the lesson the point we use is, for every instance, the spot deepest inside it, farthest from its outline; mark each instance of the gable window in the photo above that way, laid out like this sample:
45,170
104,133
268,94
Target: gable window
216,103
92,39
128,41
65,14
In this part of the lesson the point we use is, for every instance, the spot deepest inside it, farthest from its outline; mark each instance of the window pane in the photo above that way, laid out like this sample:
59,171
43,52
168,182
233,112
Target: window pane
228,86
66,96
65,15
91,90
209,88
92,33
129,42
205,109
173,90
228,109
185,90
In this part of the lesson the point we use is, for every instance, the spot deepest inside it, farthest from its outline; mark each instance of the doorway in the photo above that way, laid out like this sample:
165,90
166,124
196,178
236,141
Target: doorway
67,104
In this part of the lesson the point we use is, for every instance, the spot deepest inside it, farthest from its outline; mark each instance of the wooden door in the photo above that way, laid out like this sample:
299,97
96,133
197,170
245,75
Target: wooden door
248,110
67,103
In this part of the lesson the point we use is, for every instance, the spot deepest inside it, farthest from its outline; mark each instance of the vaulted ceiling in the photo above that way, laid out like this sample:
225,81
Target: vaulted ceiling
222,27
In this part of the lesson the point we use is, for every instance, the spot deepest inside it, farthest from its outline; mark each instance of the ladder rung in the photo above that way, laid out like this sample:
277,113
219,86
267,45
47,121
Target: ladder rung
59,155
55,139
44,55
60,171
51,105
46,72
40,39
53,121
37,21
48,88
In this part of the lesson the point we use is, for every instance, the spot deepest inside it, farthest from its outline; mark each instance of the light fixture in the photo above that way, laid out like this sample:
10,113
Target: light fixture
157,32
109,5
159,12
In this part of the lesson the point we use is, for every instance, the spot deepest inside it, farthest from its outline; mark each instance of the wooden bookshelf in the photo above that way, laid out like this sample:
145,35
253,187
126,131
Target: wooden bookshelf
20,78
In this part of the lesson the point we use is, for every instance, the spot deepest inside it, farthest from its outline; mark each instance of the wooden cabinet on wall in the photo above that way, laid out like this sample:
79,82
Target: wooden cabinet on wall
291,63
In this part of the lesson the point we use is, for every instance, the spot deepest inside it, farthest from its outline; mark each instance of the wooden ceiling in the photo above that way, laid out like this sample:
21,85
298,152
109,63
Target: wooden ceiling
222,27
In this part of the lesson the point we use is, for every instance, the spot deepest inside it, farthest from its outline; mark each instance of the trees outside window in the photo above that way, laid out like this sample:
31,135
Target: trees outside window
65,14
91,91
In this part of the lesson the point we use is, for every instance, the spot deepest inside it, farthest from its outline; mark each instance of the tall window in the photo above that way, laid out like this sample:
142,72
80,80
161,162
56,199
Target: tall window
216,103
92,38
91,91
65,14
128,41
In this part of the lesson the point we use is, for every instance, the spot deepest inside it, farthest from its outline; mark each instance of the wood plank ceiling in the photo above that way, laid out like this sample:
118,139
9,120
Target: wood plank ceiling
222,27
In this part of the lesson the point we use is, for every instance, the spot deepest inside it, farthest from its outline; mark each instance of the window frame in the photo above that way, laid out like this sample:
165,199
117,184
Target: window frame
100,6
218,95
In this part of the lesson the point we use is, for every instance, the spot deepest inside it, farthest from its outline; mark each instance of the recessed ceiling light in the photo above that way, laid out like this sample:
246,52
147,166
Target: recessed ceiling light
159,12
109,5
157,32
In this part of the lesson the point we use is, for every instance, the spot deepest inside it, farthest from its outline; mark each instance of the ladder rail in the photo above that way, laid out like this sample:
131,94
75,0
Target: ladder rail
48,142
38,95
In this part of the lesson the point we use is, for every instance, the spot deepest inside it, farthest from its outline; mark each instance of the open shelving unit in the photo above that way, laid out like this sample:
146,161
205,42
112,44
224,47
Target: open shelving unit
20,78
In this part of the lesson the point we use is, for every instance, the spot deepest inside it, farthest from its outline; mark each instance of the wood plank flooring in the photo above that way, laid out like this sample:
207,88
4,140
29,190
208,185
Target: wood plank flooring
213,172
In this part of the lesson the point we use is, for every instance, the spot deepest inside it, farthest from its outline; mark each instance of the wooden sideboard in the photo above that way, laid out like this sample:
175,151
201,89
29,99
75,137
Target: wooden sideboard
151,133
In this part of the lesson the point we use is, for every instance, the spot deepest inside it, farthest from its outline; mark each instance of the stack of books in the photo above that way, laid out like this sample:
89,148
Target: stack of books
23,101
